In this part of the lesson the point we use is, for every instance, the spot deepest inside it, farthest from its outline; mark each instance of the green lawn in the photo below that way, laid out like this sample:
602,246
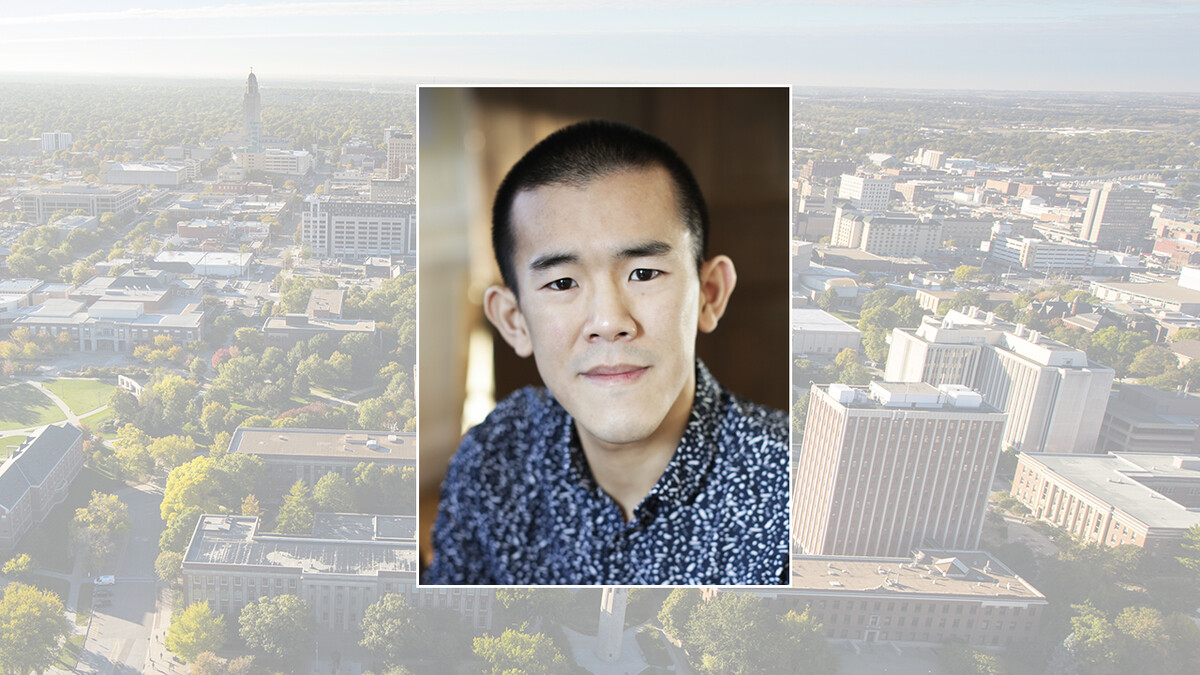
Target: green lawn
83,608
96,420
68,659
23,406
7,441
81,395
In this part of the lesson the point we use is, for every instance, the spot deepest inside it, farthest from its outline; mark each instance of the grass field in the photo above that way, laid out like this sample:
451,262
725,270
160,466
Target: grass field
68,659
81,395
23,406
7,441
95,420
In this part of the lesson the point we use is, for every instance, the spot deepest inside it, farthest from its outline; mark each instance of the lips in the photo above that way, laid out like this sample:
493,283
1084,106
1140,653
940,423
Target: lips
621,373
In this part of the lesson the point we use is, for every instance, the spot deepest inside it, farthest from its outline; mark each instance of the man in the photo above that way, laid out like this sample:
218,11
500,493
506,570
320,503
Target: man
633,466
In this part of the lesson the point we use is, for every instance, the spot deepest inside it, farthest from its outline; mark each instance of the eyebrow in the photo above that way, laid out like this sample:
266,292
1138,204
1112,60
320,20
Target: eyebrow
648,249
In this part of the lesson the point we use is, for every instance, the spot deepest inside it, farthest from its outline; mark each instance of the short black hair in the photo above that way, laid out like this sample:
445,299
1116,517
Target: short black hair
580,153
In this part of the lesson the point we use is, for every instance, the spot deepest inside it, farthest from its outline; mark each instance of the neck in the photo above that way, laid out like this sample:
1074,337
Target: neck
628,471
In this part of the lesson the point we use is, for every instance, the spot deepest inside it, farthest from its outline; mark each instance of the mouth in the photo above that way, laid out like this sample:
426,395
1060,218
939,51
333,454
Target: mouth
621,373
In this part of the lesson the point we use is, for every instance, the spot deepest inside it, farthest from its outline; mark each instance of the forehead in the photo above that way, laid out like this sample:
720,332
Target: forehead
614,208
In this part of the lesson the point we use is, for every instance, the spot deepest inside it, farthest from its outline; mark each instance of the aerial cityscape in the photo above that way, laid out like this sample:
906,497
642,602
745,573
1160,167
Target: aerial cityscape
208,377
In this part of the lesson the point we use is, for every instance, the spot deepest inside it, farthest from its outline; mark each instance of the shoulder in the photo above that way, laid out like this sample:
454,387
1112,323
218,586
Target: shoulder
752,427
498,445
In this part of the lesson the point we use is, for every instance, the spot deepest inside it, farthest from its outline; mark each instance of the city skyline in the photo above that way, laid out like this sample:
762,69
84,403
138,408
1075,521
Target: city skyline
1056,46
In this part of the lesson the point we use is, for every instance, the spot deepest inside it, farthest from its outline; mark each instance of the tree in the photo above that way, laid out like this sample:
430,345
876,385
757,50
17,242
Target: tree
1186,334
194,630
677,610
193,484
250,507
516,652
296,513
391,628
20,567
527,604
178,531
800,413
965,299
275,626
1153,360
827,300
171,451
1093,640
1190,550
802,640
965,274
332,494
733,633
96,527
32,628
168,565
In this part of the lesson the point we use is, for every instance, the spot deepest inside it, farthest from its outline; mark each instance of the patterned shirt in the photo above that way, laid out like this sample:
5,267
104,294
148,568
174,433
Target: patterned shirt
520,506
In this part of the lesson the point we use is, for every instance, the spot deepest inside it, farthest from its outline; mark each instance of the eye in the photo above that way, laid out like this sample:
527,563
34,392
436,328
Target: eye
564,284
644,274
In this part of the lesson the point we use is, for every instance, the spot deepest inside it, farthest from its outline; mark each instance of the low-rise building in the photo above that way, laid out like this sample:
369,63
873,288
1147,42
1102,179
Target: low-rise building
1144,499
816,332
94,200
925,599
286,331
308,454
36,477
1145,419
342,568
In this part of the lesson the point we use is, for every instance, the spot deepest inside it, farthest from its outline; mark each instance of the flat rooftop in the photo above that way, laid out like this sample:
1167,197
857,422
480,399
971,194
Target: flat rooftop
1169,291
817,320
1113,479
365,446
958,574
234,540
279,323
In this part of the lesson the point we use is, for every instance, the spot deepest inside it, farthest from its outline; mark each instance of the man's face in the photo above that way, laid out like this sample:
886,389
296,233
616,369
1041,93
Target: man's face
609,294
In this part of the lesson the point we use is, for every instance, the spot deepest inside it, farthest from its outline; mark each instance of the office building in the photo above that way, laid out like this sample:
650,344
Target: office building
1144,419
1037,254
36,477
865,194
146,174
891,235
53,141
346,564
893,468
94,200
1117,217
1143,499
921,600
285,331
401,152
1054,396
274,160
337,227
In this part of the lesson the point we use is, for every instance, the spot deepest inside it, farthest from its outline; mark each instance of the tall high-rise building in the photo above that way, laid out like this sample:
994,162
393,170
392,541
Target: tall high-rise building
401,152
894,468
1117,217
252,113
866,194
1055,398
53,141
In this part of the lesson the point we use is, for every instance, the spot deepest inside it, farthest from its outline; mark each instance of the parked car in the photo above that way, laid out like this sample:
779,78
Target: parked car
106,580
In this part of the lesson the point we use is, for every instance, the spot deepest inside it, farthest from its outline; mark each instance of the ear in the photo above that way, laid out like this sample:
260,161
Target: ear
501,308
717,279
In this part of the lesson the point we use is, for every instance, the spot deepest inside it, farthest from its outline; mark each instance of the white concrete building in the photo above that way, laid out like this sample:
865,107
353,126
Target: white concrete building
1039,255
866,194
336,227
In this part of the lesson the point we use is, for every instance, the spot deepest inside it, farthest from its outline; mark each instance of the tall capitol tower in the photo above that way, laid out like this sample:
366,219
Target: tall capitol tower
252,113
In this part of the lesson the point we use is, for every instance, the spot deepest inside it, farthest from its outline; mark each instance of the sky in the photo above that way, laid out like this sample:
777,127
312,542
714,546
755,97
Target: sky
1122,45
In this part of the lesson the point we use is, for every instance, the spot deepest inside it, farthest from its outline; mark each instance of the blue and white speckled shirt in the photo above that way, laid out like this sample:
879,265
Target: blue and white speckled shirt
519,504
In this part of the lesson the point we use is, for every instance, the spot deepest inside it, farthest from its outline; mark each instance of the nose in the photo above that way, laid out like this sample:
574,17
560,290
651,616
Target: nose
610,315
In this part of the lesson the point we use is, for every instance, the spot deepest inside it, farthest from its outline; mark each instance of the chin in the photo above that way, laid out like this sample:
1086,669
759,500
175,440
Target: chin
620,432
